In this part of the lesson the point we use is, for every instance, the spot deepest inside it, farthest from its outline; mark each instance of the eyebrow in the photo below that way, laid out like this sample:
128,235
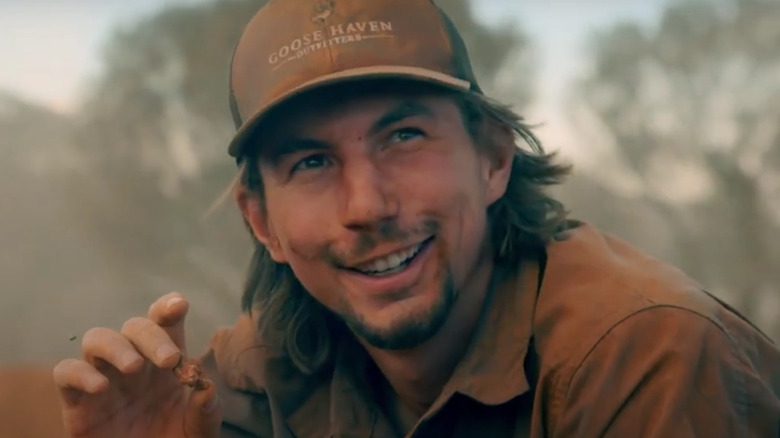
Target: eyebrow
292,146
405,110
402,111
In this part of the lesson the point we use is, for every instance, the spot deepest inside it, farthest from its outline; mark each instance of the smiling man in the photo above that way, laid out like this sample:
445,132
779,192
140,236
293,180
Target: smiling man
411,277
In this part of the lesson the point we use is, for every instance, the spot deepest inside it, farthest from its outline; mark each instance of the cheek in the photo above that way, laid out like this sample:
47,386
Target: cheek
447,182
305,257
452,190
300,225
466,229
302,231
439,180
317,279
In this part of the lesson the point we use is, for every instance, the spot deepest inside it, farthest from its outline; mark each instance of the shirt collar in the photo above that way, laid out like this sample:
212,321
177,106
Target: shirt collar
492,370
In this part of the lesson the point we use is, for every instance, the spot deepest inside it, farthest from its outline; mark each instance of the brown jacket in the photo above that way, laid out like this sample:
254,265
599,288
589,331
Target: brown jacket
29,403
598,340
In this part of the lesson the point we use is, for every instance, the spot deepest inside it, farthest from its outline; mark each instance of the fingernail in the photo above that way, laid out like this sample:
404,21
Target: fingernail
211,405
164,352
93,382
173,301
128,359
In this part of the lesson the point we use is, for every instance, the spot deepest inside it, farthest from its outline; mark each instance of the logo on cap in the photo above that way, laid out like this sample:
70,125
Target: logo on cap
322,11
335,34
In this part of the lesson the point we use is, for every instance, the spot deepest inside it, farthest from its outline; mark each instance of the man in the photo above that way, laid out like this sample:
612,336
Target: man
411,277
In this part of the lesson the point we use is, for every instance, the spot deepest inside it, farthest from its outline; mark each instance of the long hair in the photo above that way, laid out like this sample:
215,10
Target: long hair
520,223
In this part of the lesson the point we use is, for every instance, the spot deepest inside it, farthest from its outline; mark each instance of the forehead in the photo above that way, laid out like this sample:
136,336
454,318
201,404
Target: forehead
362,103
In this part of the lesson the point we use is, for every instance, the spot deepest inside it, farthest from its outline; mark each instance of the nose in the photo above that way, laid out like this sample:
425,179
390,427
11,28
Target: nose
368,200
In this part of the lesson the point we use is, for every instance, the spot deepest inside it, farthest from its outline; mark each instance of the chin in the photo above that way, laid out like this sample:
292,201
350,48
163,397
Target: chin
405,323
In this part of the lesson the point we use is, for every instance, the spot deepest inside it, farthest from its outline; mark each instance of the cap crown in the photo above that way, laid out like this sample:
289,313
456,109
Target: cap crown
291,46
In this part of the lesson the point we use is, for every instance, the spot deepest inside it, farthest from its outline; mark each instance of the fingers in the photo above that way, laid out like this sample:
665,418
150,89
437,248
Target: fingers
169,312
152,341
204,413
102,344
76,377
158,339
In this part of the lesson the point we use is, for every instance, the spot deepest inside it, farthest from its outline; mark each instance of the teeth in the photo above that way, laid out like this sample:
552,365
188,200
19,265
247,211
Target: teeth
391,262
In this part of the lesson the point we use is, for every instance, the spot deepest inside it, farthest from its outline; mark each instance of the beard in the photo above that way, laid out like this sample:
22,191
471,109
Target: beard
412,330
418,325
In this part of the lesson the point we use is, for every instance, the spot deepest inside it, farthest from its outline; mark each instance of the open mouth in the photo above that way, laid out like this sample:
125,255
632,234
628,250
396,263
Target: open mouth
393,263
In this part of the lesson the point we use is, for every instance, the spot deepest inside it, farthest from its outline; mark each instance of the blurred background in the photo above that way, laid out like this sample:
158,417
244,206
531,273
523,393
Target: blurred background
114,124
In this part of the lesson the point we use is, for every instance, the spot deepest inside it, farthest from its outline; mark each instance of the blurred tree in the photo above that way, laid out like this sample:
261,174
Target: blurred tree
691,110
502,55
154,133
34,141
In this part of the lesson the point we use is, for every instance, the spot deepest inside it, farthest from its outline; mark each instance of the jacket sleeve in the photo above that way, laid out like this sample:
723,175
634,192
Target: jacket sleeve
669,372
245,414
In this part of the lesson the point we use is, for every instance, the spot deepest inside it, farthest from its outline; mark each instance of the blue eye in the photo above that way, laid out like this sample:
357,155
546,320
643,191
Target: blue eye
405,134
315,161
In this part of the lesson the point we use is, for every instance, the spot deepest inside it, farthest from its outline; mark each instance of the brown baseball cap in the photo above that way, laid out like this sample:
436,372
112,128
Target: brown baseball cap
293,46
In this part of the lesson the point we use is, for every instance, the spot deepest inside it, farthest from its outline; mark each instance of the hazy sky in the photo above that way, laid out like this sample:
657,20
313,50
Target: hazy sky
50,48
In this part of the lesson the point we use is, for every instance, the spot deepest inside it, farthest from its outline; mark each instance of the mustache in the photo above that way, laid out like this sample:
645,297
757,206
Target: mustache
389,231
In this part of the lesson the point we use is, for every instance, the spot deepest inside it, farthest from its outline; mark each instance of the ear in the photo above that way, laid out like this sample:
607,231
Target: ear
499,155
253,210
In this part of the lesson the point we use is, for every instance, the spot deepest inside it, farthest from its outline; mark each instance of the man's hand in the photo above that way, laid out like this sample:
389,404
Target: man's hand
125,385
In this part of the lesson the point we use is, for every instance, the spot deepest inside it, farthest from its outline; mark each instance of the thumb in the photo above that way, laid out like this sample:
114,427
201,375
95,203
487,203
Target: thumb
203,417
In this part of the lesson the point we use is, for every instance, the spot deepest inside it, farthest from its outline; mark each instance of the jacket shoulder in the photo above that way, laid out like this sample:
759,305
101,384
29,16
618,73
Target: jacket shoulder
593,281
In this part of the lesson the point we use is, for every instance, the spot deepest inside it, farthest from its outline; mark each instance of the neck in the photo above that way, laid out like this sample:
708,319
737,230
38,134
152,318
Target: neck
417,376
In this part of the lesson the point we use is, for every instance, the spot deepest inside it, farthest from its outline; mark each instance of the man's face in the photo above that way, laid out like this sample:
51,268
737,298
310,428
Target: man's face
379,205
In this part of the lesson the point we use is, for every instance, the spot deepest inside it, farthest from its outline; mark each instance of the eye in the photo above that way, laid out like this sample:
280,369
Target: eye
315,161
405,134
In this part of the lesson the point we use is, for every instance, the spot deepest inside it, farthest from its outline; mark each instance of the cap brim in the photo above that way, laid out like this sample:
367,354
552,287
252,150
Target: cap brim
376,72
